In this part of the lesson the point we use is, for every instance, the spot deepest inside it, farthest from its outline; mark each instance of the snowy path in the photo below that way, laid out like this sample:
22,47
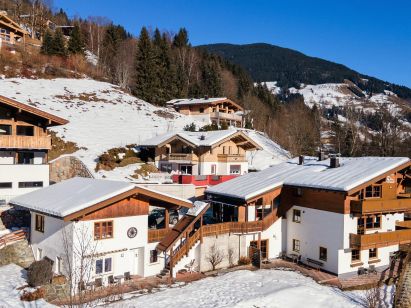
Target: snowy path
247,289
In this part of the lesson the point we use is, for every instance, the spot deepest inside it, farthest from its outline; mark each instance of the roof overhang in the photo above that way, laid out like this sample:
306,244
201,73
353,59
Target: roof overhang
52,120
129,194
7,21
241,140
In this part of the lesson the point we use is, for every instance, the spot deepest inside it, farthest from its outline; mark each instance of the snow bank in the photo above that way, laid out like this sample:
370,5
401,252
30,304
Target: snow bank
12,277
246,289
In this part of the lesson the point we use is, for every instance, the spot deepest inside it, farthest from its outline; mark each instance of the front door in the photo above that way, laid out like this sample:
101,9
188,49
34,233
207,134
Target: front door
137,261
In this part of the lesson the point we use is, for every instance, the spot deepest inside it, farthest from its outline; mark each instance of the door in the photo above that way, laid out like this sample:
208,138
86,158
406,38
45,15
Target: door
137,261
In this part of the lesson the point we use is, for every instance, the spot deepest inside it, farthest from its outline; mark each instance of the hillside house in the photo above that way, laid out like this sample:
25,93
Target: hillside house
10,31
24,146
202,156
210,110
338,214
107,221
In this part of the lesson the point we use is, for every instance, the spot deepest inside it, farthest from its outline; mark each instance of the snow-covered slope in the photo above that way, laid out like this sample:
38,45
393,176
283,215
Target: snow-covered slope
102,116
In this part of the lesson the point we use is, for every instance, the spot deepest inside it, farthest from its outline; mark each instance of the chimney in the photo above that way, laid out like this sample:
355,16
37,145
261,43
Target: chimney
206,97
301,160
202,137
334,161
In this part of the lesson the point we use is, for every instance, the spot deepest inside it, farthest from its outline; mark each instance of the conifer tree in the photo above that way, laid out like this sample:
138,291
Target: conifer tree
76,41
59,44
47,45
145,69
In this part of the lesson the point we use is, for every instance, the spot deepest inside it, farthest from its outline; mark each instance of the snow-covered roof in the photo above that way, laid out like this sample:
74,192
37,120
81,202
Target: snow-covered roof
68,197
315,174
208,138
194,101
76,194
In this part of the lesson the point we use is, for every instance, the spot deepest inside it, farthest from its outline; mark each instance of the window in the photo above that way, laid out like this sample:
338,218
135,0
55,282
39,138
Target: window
373,191
58,265
355,255
235,169
296,245
39,253
166,168
25,130
213,169
103,265
153,256
297,216
299,192
371,222
30,184
263,248
5,129
372,253
103,230
39,225
323,254
186,169
25,158
201,110
4,185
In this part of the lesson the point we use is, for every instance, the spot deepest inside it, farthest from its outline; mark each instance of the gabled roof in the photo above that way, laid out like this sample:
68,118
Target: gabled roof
77,196
52,119
6,20
201,101
352,173
201,139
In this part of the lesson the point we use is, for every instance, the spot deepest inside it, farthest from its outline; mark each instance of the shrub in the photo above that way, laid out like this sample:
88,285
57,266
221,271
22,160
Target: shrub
244,261
129,160
145,170
40,272
32,296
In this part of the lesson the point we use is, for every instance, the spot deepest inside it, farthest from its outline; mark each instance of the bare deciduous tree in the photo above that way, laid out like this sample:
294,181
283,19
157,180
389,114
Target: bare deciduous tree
215,256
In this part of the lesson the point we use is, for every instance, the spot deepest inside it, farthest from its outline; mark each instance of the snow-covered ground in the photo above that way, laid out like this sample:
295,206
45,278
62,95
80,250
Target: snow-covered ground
102,116
250,289
12,277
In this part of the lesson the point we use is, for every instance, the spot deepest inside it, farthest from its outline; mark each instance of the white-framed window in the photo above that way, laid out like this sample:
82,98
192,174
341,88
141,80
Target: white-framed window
59,262
104,265
39,253
166,168
186,169
296,215
296,245
213,169
153,256
235,169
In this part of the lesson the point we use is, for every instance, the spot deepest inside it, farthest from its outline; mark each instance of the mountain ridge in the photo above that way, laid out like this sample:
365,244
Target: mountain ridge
290,68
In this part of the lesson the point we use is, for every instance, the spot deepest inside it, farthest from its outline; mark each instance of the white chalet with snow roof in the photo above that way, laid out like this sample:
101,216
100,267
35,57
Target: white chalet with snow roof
338,214
105,221
210,153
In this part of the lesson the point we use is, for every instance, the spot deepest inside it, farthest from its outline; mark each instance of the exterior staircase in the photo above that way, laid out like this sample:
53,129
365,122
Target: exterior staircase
403,287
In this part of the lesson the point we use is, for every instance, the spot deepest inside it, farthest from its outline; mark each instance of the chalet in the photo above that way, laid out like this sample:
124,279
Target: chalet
210,110
24,146
202,154
342,215
104,223
10,31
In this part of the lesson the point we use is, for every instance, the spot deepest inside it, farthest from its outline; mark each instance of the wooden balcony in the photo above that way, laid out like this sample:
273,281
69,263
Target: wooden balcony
382,239
374,206
180,157
25,142
156,235
230,158
226,116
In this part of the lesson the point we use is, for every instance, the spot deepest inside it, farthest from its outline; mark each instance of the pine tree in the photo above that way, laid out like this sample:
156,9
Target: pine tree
181,39
145,69
59,44
47,45
76,41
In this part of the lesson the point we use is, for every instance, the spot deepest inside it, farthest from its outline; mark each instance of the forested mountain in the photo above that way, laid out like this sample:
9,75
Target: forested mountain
290,68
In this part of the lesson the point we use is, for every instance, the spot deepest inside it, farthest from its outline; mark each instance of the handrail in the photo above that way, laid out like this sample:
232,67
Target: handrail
12,237
400,281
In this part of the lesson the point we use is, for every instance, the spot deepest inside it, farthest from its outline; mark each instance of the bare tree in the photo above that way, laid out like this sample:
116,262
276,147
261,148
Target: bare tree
230,256
124,63
78,260
215,256
372,297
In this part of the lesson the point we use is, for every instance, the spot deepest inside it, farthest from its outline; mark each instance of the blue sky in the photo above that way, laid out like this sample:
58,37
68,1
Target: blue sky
372,37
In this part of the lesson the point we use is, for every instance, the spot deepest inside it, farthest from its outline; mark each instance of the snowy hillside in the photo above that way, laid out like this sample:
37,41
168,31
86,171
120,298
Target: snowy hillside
102,116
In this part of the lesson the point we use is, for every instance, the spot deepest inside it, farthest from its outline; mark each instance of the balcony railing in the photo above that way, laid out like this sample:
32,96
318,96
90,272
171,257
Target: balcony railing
228,158
156,235
373,206
25,142
383,239
226,116
181,156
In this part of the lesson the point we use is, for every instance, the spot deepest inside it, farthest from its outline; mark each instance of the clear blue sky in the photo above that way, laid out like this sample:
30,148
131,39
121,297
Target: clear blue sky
370,36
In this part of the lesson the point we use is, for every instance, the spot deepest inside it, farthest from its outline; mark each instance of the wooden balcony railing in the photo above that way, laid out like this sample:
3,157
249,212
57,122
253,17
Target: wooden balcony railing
228,158
181,156
25,142
383,239
156,235
373,206
226,116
